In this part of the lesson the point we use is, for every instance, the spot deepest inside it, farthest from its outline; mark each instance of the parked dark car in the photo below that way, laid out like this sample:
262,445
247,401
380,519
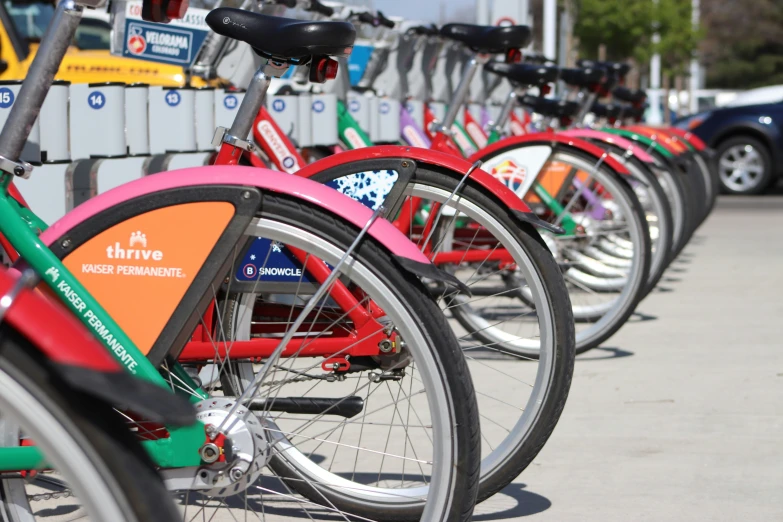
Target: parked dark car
748,140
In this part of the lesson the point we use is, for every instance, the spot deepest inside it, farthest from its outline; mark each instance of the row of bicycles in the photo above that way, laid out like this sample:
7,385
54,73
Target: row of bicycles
388,334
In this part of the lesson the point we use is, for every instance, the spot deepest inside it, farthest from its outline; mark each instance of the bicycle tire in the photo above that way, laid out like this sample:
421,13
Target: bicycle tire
461,402
115,464
500,471
665,240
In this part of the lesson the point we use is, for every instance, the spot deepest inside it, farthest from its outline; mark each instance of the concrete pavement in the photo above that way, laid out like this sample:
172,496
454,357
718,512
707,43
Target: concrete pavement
680,415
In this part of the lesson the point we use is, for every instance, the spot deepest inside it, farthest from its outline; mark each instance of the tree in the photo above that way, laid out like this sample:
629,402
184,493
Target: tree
626,28
743,43
678,38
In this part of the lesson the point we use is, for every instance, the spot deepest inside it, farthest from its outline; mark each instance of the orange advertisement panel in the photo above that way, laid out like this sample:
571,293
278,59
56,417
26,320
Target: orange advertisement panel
139,269
554,178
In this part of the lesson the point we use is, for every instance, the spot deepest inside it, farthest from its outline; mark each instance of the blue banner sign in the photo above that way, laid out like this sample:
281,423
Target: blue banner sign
177,43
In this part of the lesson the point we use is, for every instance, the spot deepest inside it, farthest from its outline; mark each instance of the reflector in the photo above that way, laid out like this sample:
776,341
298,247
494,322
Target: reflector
163,11
323,68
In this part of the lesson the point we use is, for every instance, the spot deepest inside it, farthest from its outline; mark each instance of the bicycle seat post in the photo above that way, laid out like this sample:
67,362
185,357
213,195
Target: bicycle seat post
39,79
254,98
505,113
460,93
586,101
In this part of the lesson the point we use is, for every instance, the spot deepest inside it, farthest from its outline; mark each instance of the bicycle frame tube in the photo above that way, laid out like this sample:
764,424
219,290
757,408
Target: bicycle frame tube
496,129
277,146
181,448
351,134
412,134
39,78
474,130
20,227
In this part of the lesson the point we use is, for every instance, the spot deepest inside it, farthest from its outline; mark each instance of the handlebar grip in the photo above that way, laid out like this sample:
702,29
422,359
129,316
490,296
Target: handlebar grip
538,59
367,18
318,7
291,4
424,30
385,21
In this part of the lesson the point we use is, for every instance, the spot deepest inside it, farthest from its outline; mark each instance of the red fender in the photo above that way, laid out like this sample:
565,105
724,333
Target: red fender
56,333
668,141
690,137
425,156
543,138
82,362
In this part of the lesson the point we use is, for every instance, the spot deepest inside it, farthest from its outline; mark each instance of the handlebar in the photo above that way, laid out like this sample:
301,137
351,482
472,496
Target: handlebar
291,4
318,7
373,20
366,18
538,59
425,30
382,20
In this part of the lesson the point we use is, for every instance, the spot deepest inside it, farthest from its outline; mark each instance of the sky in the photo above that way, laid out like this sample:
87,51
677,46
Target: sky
425,10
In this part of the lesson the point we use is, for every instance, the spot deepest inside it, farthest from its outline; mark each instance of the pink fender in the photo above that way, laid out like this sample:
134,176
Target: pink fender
267,180
614,139
548,138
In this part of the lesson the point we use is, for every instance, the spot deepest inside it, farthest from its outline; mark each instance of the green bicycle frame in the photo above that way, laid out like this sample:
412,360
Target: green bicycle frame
348,129
20,226
651,144
463,140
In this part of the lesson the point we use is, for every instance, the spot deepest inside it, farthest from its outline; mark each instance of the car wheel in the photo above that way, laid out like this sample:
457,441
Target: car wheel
744,165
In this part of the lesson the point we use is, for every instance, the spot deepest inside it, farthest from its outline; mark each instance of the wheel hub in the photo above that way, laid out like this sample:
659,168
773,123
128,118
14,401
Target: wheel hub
236,456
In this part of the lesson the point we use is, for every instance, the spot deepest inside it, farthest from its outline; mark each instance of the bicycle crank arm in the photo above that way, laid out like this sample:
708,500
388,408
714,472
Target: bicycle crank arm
344,407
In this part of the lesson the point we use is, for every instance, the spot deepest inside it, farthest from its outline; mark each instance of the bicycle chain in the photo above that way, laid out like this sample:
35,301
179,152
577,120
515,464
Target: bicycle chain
50,496
69,493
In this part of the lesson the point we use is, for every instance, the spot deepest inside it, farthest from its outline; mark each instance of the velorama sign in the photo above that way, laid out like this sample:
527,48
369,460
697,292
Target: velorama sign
175,43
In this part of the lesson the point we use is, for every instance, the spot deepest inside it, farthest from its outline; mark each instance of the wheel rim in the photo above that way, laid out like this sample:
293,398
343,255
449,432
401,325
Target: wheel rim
597,313
495,454
66,453
741,168
340,482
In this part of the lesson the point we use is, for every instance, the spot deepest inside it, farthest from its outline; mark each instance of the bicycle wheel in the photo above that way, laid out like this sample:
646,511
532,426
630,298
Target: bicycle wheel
674,190
520,351
603,218
101,471
711,177
375,420
658,213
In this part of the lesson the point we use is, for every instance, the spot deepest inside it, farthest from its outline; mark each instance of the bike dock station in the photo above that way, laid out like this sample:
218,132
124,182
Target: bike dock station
294,259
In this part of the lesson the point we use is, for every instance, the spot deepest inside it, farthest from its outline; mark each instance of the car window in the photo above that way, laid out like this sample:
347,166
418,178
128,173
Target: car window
32,18
93,34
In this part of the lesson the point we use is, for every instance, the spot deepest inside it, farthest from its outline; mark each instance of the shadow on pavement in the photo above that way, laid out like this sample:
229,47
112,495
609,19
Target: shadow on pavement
641,317
520,502
602,353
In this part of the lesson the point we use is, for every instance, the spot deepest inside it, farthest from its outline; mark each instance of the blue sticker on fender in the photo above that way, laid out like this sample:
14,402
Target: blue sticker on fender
270,262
